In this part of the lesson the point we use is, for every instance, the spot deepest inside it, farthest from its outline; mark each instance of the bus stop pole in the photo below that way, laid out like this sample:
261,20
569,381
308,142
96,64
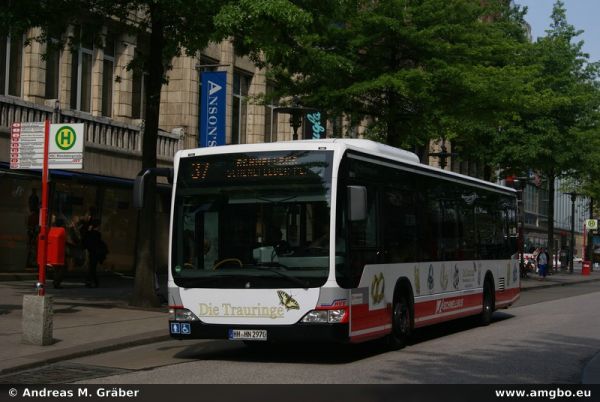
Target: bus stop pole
43,242
37,309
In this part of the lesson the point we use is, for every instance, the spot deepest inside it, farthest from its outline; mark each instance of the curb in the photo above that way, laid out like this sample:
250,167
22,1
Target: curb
90,349
554,284
18,276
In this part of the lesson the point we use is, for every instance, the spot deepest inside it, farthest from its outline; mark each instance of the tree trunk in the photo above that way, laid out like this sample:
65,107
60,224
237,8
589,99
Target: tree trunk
144,294
551,176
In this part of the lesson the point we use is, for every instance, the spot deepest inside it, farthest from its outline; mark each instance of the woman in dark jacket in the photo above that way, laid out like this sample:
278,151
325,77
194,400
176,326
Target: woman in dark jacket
96,252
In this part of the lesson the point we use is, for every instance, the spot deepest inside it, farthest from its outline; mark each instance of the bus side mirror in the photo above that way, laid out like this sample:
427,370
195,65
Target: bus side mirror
140,180
357,203
138,192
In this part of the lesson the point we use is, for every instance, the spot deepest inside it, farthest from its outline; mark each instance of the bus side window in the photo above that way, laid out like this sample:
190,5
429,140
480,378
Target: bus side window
363,238
399,224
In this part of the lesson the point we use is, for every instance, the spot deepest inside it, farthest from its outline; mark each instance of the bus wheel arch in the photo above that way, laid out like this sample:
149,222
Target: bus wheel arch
402,314
488,300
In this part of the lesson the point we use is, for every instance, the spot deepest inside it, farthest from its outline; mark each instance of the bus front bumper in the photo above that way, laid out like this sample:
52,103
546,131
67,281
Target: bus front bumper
283,333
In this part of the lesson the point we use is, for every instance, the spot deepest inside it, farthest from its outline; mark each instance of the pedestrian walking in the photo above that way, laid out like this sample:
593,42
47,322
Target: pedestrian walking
74,250
542,263
33,221
97,251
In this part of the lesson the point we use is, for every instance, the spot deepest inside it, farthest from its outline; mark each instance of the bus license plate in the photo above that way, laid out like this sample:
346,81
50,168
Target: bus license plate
248,334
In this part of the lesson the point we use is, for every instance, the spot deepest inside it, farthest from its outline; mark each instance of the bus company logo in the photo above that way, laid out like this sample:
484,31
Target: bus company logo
417,280
456,278
444,277
430,280
378,288
443,306
287,301
336,303
65,138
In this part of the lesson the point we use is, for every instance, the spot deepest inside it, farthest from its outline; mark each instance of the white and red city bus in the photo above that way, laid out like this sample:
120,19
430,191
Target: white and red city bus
332,240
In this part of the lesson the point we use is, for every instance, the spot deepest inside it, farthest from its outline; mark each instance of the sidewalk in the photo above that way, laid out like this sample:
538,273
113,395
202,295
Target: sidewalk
559,278
85,321
89,321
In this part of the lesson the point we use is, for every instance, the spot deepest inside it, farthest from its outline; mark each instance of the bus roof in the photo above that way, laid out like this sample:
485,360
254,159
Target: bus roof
355,144
363,145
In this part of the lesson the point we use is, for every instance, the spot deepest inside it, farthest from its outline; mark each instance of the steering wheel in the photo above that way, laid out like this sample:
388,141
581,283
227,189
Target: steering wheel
227,261
282,248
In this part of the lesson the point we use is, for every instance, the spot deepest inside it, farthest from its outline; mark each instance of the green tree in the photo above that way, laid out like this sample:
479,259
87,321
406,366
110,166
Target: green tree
560,106
416,70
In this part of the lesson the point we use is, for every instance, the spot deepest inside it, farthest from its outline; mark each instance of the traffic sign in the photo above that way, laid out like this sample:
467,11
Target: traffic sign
65,148
591,224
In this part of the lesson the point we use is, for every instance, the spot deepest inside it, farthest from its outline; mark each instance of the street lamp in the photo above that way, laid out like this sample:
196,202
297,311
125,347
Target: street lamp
573,195
296,112
442,154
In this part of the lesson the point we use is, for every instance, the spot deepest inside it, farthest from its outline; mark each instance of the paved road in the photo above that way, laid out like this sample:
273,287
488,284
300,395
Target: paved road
547,338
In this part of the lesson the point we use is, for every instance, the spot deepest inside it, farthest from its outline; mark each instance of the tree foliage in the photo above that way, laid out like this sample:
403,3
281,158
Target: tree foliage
415,69
560,103
558,121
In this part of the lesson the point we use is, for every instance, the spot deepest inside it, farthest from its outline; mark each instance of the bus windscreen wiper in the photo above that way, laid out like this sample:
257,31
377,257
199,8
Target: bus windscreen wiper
276,269
192,282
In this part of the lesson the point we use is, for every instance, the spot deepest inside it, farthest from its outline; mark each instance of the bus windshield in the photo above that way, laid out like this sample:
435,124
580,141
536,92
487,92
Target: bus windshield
252,220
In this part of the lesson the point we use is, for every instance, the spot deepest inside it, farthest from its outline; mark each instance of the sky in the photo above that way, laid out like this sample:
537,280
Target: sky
582,14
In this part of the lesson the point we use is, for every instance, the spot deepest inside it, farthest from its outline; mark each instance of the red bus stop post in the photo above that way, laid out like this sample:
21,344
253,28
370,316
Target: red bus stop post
43,241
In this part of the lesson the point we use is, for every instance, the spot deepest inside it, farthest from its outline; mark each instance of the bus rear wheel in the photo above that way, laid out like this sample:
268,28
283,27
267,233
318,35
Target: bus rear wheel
488,304
401,322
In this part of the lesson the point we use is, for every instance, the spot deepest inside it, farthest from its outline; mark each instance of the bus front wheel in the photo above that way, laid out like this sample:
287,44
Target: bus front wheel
401,322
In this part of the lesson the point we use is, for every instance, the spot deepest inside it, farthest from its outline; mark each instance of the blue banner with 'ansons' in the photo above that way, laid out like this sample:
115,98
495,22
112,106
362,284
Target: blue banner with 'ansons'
212,105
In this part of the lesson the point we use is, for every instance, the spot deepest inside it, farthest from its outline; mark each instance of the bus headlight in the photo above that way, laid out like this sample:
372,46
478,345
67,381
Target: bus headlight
336,316
333,316
181,314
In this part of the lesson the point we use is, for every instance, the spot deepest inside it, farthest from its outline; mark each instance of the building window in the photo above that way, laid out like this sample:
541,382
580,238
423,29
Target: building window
138,95
270,115
11,64
140,83
108,66
81,73
241,83
52,66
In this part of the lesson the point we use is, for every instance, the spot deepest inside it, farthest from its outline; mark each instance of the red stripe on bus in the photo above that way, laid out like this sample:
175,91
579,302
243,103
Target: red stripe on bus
447,305
426,312
444,318
369,336
362,318
507,296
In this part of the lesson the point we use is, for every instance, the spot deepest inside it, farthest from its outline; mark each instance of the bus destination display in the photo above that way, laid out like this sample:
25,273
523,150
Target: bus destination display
248,167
